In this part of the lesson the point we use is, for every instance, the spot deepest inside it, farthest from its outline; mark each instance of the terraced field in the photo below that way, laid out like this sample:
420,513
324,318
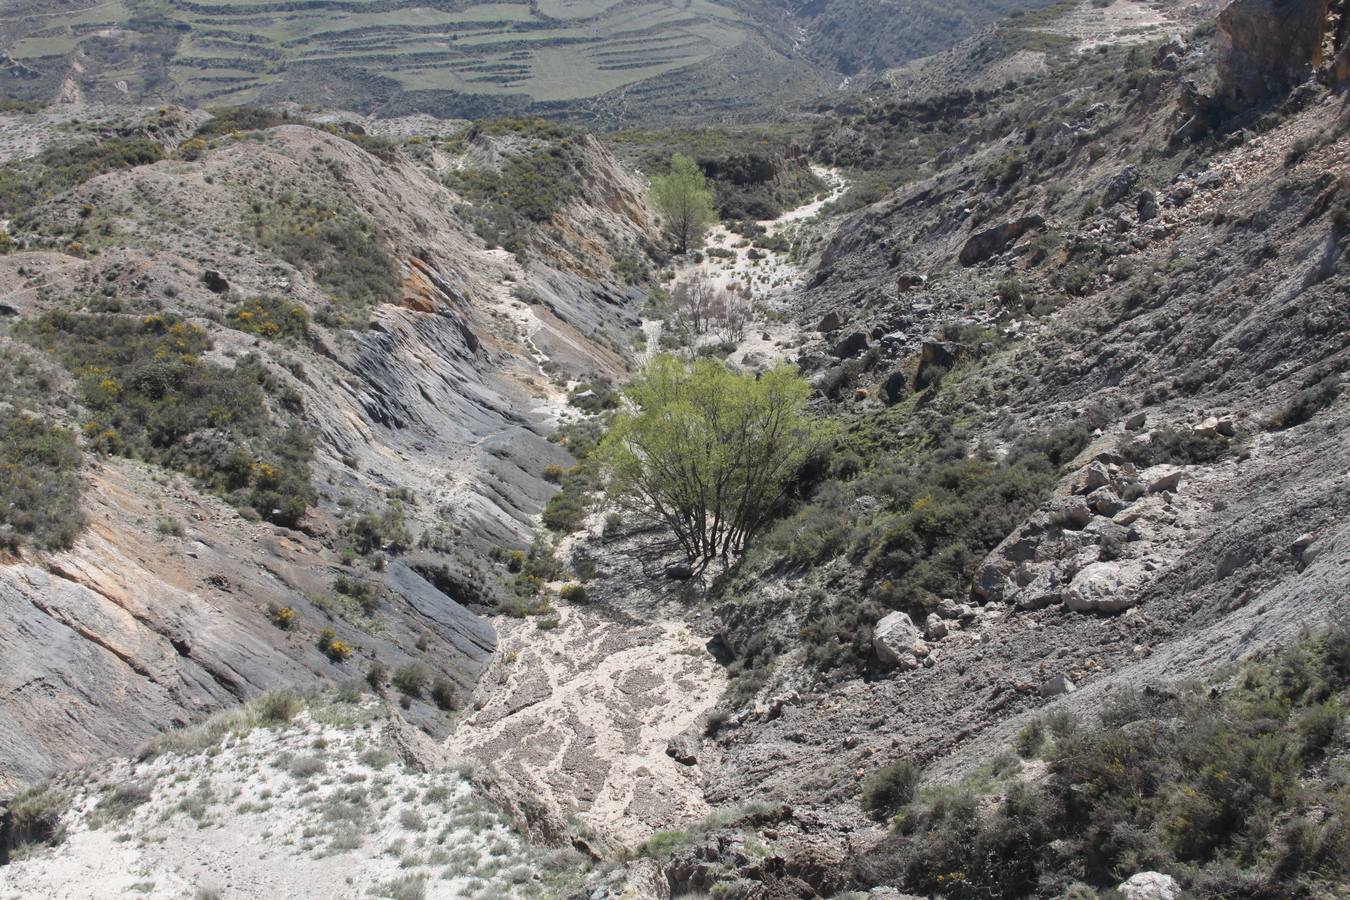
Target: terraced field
234,51
614,63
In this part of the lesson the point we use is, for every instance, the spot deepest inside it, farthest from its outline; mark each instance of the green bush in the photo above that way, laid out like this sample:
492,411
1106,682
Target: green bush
382,530
270,317
1212,788
890,787
40,484
565,511
411,679
574,593
150,395
232,119
278,707
1178,446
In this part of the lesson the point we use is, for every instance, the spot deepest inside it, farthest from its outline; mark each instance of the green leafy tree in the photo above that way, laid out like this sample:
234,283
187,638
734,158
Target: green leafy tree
685,198
707,452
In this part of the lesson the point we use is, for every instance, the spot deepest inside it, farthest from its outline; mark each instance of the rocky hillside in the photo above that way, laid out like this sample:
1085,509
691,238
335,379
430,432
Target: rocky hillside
289,359
1088,360
297,399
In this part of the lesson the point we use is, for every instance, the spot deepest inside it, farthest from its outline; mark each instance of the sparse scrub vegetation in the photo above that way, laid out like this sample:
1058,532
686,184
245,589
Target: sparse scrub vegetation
150,395
338,248
34,819
939,508
1216,788
40,485
25,185
411,679
527,191
270,317
890,787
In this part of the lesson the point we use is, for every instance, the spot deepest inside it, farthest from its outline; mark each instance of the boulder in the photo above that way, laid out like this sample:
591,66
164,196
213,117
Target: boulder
1146,207
937,353
1265,47
1150,886
828,381
831,321
1060,684
895,387
1166,482
991,582
1095,476
948,608
898,642
755,361
1136,421
215,282
1071,513
934,627
1208,427
1120,185
909,281
679,572
1104,502
683,747
992,241
1046,589
853,345
1105,587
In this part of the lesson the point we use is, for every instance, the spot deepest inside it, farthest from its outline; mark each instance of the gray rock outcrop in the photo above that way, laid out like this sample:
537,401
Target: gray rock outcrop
1265,47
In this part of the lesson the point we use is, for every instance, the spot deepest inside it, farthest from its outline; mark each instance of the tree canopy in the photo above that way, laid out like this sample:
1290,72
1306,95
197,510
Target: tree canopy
685,198
708,452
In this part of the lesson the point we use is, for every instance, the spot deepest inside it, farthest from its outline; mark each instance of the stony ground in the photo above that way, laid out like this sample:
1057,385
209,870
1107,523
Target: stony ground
338,803
578,708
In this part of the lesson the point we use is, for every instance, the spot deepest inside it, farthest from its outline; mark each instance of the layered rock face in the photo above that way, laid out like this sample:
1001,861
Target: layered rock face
434,402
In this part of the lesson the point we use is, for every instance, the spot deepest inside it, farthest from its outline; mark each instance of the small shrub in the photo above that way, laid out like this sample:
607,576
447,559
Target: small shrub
269,317
122,802
278,707
332,647
1031,739
444,695
306,767
574,593
1308,402
891,787
376,676
170,527
40,484
411,679
35,818
284,617
380,531
1178,446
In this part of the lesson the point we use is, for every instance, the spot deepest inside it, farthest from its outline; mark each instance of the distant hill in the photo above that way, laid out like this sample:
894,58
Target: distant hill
576,58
